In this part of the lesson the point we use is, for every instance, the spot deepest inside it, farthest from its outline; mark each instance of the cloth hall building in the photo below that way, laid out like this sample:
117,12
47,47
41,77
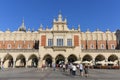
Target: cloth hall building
25,48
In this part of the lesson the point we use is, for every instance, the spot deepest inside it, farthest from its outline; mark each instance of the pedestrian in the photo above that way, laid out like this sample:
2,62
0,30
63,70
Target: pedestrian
86,70
64,67
2,68
81,69
70,68
74,70
77,66
54,67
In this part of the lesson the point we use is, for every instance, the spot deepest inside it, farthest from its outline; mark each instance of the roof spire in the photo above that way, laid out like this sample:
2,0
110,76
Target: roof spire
22,27
65,20
23,24
79,27
59,16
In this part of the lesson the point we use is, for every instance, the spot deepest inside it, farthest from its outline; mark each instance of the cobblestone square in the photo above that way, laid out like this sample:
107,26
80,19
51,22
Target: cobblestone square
49,74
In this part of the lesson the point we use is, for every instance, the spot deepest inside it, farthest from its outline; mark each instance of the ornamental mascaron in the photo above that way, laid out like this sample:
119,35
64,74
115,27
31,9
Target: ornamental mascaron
25,48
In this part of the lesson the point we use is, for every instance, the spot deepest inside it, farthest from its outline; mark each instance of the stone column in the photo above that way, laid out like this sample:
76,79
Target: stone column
26,63
93,61
106,60
40,61
53,60
79,58
1,63
14,64
119,62
66,60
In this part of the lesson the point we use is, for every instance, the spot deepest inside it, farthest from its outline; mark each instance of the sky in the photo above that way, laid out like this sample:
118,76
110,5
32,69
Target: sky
89,14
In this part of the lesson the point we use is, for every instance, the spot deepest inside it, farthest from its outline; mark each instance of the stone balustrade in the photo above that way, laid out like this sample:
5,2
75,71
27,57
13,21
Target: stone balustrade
19,50
100,50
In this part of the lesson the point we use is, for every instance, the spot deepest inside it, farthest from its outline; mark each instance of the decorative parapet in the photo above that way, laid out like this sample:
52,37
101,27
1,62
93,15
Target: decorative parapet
59,48
100,51
18,50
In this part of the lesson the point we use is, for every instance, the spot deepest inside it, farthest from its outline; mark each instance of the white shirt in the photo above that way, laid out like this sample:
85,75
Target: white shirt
81,67
63,65
74,68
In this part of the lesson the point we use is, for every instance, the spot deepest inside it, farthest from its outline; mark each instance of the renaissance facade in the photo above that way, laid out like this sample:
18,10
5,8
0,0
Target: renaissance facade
25,48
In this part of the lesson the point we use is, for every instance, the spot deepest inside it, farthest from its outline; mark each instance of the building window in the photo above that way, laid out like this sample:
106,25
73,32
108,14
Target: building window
69,42
19,46
112,46
91,46
29,46
9,46
102,46
82,46
50,42
59,42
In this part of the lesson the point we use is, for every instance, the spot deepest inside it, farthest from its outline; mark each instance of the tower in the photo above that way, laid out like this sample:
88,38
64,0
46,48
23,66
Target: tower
22,27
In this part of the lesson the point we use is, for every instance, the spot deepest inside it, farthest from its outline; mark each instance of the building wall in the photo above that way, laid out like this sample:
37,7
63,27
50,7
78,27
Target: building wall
83,43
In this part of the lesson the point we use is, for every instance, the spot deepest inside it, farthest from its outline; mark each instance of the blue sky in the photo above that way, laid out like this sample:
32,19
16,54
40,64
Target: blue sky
90,14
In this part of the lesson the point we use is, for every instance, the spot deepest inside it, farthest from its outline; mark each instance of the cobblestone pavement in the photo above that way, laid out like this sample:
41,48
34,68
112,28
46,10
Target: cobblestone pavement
49,74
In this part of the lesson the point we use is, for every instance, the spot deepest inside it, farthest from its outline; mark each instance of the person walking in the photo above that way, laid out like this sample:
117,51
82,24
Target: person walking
54,67
70,68
86,70
74,70
81,69
64,67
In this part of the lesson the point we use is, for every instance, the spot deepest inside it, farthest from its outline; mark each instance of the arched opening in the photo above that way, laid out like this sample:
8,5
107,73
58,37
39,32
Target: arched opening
60,59
72,58
48,60
32,61
8,61
20,61
112,58
87,58
99,58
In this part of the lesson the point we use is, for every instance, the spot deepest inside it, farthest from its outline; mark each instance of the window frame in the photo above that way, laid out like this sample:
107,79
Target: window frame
19,46
91,46
82,46
60,42
102,46
112,46
50,42
69,42
9,46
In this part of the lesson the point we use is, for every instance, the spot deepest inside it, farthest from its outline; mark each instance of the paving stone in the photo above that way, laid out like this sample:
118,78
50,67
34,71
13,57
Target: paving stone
49,74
